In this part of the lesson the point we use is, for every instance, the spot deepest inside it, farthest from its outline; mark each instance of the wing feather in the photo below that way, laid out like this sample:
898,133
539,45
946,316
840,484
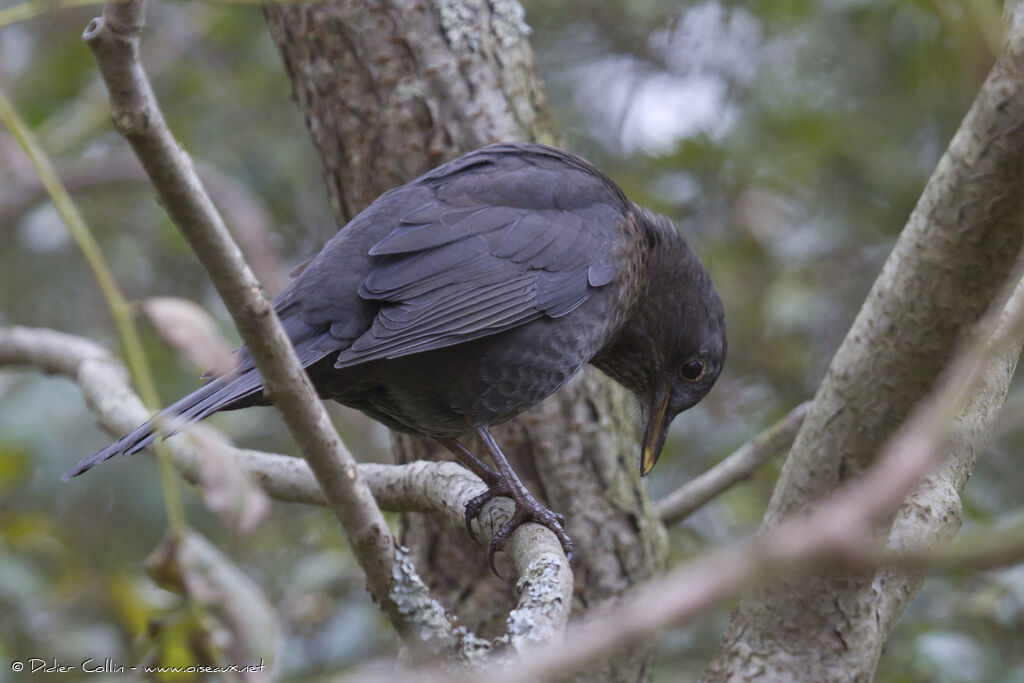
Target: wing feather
435,322
480,245
446,228
449,300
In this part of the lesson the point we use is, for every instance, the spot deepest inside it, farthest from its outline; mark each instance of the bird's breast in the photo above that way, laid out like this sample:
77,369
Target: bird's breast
448,391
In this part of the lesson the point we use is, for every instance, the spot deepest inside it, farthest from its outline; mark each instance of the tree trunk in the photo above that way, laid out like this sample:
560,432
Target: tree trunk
958,248
390,89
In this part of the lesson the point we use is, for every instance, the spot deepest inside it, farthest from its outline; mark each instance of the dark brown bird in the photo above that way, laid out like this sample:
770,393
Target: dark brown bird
459,300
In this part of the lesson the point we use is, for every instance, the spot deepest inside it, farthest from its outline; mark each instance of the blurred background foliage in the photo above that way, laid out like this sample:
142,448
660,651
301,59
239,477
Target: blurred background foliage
789,139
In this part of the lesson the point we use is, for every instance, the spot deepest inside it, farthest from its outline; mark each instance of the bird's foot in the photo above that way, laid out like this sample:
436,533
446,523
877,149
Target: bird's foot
473,508
528,509
495,487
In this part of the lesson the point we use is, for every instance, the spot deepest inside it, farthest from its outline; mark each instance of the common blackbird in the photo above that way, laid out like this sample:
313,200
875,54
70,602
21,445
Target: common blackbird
459,300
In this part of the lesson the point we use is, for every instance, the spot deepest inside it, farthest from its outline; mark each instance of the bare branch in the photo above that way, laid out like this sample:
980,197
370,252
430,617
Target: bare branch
741,465
114,40
440,488
246,213
22,188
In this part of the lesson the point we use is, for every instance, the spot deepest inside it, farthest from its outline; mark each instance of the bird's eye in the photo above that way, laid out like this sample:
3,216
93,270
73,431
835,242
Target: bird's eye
692,370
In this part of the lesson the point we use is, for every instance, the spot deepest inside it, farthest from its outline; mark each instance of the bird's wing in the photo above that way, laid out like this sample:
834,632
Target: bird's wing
449,275
488,242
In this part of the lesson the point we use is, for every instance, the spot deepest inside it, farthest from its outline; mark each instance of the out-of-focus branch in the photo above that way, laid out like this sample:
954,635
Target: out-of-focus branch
681,503
247,216
22,189
931,515
440,488
114,41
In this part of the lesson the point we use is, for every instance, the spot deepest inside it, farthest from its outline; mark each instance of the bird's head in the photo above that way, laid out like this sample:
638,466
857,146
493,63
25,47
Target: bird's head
671,351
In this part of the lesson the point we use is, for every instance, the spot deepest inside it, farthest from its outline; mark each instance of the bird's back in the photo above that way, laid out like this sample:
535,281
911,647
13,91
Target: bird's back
490,241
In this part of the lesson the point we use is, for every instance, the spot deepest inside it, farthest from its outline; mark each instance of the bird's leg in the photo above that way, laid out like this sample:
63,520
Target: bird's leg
527,507
477,466
469,459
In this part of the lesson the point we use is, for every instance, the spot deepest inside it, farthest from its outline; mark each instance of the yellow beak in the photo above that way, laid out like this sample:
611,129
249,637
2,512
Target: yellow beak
655,430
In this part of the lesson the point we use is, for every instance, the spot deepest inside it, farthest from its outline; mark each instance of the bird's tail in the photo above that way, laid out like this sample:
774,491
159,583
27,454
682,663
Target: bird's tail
223,393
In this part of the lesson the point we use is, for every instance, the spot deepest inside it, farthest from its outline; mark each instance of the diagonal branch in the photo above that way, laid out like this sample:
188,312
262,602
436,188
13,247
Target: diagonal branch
114,40
681,503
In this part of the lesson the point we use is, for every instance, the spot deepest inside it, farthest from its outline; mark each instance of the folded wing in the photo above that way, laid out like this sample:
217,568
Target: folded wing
495,240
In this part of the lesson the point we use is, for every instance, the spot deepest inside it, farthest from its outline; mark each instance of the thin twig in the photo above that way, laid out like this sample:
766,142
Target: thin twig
741,465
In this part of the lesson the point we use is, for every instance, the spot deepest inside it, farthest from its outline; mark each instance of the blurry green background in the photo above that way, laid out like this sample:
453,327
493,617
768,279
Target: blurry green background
788,139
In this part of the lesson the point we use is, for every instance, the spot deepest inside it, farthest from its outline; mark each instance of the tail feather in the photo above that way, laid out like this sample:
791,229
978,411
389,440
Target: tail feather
240,389
223,393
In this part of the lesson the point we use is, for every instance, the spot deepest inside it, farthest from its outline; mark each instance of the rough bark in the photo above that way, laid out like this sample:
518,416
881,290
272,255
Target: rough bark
390,89
958,247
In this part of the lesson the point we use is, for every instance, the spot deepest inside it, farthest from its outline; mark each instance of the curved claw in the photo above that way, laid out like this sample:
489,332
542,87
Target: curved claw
504,482
567,546
473,508
555,523
490,559
500,538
